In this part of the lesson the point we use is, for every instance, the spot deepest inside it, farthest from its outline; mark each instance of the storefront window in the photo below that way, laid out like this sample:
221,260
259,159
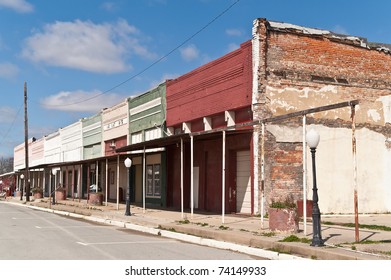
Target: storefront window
153,180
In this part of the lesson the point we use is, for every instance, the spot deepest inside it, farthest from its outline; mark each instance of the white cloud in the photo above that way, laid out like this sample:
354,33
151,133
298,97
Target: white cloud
232,47
340,30
109,6
189,53
8,70
20,6
81,101
100,48
234,32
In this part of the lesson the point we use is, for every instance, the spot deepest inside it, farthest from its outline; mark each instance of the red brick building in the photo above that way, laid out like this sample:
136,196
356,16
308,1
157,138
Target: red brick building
213,96
297,68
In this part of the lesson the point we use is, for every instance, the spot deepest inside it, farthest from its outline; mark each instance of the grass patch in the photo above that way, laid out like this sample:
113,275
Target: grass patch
364,226
277,250
244,230
268,234
202,224
294,238
184,222
222,227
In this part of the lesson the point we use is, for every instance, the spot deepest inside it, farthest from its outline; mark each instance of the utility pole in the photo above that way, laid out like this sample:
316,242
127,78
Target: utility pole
26,146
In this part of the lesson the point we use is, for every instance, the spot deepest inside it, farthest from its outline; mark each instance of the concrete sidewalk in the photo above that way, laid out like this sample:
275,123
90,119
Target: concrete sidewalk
240,233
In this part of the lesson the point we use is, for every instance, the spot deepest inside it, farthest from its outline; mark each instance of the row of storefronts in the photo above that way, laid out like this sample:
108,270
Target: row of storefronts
170,135
228,137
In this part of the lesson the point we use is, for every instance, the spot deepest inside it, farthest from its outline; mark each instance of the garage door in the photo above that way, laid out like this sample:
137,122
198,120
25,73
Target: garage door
243,182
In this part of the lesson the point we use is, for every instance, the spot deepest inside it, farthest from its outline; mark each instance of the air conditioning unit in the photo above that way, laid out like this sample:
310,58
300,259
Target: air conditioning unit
112,144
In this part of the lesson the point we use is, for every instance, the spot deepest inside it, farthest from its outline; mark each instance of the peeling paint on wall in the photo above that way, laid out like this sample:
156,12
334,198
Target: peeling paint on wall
335,171
386,101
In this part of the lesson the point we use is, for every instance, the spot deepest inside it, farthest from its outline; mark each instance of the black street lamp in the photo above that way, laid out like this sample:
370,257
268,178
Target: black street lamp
53,193
312,139
128,164
21,189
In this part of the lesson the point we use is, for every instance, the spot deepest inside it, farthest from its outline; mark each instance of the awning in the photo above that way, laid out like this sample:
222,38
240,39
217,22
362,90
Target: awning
176,139
156,143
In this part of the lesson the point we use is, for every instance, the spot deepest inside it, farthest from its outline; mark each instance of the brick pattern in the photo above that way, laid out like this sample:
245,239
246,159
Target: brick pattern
221,85
297,61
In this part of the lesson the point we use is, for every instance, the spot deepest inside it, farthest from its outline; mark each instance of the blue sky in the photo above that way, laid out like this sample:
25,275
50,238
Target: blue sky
80,56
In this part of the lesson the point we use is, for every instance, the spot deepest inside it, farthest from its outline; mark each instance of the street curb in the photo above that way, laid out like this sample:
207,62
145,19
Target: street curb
175,235
228,240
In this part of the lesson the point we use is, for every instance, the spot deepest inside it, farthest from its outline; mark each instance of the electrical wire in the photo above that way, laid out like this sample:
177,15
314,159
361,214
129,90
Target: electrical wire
155,62
11,126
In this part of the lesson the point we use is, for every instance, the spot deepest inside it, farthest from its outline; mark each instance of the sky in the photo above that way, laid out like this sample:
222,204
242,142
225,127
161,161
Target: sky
78,57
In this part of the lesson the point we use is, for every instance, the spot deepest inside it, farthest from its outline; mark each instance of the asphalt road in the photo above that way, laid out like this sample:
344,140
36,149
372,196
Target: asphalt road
27,234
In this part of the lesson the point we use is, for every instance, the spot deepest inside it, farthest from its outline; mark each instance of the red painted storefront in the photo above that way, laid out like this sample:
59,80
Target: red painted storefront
203,99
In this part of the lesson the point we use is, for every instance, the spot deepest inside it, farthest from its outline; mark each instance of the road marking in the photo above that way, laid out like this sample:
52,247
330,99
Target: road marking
125,242
45,227
14,218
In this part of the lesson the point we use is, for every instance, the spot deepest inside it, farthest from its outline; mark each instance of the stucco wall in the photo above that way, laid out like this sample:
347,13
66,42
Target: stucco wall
301,68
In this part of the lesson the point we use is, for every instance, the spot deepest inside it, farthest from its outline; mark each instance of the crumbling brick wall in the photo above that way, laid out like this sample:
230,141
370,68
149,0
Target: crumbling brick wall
300,68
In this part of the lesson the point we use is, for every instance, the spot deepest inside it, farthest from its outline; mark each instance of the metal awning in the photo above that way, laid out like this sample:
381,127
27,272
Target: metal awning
176,139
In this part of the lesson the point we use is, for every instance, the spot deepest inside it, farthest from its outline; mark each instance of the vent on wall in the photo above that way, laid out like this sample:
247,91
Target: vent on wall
325,79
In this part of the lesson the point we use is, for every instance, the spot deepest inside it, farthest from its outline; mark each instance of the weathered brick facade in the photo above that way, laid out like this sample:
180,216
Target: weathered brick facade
297,68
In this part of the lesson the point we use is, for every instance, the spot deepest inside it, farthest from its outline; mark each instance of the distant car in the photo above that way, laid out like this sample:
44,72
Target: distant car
93,188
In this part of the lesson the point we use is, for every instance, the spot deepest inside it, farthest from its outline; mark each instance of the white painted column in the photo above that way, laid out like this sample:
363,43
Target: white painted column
107,180
223,182
118,182
144,169
304,177
191,175
182,178
262,176
96,175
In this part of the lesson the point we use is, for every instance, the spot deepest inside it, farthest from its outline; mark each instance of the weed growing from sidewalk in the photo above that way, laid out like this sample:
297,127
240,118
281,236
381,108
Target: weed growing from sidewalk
202,224
268,234
184,222
280,251
294,238
223,227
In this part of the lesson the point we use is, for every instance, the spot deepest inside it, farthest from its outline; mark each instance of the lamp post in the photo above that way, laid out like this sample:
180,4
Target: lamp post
312,139
128,164
21,189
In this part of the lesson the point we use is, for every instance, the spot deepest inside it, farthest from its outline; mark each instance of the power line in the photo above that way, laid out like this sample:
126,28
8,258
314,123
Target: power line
155,62
12,125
